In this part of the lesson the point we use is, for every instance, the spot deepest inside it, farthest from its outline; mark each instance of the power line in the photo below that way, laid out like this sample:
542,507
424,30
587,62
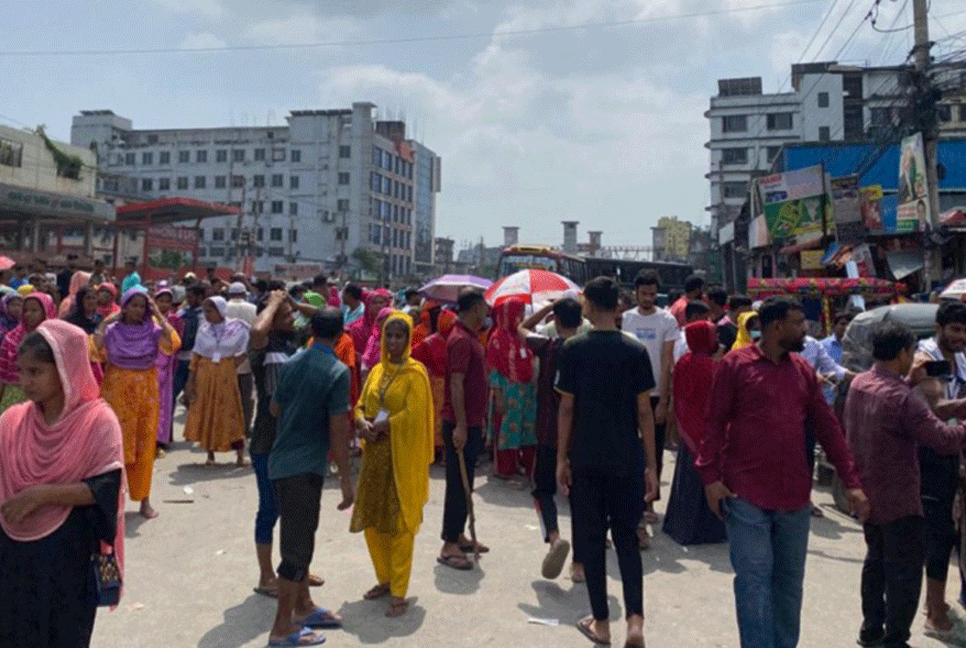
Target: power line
398,41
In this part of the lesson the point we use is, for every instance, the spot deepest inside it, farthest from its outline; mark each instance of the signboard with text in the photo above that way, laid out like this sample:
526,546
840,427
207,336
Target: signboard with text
169,249
912,212
794,204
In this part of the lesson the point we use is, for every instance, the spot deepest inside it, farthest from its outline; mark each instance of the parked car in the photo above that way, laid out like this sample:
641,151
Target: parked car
857,343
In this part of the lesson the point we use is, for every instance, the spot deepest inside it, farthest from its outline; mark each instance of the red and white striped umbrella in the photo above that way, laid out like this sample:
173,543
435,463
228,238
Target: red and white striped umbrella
532,286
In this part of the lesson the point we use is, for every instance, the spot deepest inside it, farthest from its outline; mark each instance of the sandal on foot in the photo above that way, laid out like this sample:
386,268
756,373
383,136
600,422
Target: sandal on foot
304,637
460,563
270,592
376,592
316,581
553,562
397,609
468,548
586,628
322,619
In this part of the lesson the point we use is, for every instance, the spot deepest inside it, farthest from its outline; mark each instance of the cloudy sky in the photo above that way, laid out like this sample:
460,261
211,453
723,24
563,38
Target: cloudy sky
536,122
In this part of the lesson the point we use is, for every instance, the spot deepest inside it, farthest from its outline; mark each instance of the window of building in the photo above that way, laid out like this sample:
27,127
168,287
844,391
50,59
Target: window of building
375,182
276,251
293,236
275,234
278,180
258,206
293,209
278,154
130,159
11,153
734,156
343,205
164,184
343,178
881,116
293,182
409,193
147,158
234,233
395,213
220,182
221,155
218,234
238,155
259,155
200,182
147,185
779,121
734,124
944,113
374,231
164,157
278,207
184,157
296,155
237,181
734,189
376,156
201,157
823,100
772,152
823,134
258,181
216,252
345,152
259,234
183,182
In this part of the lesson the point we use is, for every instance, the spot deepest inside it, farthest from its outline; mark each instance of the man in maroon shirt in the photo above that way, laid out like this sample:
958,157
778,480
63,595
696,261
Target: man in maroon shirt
463,410
886,421
755,469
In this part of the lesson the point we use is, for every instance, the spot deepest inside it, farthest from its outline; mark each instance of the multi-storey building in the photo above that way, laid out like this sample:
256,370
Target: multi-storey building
326,184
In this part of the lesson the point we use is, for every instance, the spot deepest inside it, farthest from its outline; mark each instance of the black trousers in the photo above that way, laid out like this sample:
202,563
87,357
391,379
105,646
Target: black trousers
939,478
660,436
454,504
603,499
892,578
544,489
298,499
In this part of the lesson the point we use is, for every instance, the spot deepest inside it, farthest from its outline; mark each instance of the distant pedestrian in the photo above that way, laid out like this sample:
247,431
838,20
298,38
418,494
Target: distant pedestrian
432,353
61,461
463,418
131,277
166,366
693,291
886,420
240,308
754,466
606,429
749,330
37,307
728,325
310,402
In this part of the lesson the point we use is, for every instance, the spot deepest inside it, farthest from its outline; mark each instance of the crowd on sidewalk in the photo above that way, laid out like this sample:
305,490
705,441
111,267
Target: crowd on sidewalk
579,397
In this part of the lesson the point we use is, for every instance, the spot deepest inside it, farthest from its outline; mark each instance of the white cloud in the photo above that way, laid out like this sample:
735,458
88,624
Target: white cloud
301,26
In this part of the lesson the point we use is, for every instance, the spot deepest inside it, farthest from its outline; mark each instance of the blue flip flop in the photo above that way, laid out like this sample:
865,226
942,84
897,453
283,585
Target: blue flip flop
299,639
322,619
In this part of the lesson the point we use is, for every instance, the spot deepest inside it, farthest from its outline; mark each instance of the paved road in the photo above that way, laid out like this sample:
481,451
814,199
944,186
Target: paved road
190,575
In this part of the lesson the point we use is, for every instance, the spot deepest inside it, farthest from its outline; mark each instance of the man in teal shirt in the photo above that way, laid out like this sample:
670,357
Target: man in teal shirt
311,403
131,278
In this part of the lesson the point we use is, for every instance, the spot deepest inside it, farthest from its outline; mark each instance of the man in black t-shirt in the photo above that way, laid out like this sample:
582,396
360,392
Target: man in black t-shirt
605,432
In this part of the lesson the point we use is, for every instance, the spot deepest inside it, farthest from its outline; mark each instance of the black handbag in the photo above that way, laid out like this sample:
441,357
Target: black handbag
107,576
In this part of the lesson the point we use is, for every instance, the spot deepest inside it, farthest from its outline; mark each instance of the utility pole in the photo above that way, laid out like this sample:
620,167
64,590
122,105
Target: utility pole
920,14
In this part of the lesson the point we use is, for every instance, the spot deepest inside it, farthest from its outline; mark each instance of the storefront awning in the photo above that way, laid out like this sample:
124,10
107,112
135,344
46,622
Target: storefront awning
172,210
21,203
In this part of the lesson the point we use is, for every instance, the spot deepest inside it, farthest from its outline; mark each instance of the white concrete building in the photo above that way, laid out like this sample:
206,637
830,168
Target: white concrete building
314,191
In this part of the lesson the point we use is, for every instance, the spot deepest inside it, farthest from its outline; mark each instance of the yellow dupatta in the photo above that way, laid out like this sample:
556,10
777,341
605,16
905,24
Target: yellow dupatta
744,338
408,399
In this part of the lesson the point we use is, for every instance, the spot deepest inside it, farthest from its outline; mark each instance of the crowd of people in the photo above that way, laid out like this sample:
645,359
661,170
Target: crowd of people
579,397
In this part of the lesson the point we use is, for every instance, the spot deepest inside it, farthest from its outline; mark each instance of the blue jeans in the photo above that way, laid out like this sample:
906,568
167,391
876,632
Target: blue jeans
768,550
267,514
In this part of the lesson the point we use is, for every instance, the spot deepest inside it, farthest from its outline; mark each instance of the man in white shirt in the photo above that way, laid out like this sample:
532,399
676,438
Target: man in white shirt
657,330
240,308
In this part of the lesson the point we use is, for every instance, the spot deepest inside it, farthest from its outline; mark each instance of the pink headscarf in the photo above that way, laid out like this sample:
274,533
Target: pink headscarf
8,348
77,281
85,441
361,330
374,345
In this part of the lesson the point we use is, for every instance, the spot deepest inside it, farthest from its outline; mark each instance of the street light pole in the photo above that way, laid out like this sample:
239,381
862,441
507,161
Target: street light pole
920,13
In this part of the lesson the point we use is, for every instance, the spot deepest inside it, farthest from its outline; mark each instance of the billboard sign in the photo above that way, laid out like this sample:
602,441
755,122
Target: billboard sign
794,204
912,212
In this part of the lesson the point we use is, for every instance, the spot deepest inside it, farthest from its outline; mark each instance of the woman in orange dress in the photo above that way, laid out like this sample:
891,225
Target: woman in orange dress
215,416
129,342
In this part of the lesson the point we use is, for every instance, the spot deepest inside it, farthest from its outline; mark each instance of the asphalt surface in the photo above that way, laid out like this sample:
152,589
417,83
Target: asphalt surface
190,573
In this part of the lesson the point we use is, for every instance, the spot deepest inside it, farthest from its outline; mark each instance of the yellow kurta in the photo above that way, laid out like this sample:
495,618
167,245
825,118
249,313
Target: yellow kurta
215,418
394,477
133,395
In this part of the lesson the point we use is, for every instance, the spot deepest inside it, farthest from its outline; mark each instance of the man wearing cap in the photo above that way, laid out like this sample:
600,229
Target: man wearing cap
240,308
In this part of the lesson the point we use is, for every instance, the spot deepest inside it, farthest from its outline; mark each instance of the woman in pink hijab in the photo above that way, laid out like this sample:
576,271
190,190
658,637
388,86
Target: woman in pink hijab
361,330
61,462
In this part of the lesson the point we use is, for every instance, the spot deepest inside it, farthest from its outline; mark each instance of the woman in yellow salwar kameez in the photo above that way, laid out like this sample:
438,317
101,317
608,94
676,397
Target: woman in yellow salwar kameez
129,342
395,417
